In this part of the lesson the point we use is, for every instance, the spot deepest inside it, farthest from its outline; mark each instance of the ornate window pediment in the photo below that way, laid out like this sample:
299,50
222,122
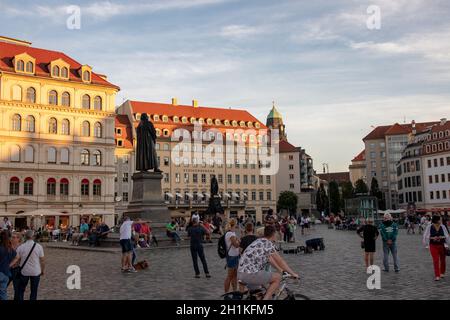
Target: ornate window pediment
59,69
24,63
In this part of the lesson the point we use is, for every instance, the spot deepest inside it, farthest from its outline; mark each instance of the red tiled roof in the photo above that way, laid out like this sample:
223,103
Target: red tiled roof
360,157
123,122
43,58
397,129
170,110
335,176
381,131
285,146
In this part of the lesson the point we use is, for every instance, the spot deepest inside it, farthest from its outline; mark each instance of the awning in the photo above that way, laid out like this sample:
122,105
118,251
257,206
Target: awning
227,195
207,195
178,194
190,195
169,195
235,195
93,212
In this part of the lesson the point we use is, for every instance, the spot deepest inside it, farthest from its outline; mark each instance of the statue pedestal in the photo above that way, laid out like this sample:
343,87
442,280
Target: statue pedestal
147,202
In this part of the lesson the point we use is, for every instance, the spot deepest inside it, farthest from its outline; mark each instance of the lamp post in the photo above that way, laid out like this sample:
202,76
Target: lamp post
325,165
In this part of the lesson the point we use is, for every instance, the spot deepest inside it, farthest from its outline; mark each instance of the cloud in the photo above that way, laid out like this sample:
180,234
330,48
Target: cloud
428,45
240,31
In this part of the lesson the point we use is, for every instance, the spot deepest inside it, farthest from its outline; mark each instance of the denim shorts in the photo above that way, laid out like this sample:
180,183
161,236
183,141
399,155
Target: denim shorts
232,262
126,245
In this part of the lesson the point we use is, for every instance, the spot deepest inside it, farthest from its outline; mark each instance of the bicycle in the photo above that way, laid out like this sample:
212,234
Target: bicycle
252,294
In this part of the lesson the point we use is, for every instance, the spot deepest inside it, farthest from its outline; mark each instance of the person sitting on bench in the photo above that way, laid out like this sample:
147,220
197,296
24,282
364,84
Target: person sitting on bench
171,231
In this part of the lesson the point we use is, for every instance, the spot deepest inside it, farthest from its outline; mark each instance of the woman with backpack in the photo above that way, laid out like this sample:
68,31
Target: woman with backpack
232,244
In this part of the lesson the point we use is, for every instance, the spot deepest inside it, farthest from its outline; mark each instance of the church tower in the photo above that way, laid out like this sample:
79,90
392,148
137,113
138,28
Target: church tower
275,121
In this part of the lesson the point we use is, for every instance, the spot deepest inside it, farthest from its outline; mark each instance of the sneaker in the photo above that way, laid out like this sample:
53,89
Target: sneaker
442,276
197,276
208,275
385,270
437,279
132,270
397,271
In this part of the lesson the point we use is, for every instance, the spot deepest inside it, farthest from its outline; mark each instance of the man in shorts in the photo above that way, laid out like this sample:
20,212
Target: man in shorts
254,260
125,243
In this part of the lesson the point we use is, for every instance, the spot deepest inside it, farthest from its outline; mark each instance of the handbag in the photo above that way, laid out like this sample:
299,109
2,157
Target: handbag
26,260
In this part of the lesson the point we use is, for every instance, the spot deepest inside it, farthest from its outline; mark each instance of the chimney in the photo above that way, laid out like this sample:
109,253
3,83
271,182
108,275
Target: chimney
413,125
174,101
443,121
195,103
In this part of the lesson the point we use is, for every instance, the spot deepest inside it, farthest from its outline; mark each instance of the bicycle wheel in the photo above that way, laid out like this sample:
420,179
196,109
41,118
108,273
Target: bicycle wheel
291,296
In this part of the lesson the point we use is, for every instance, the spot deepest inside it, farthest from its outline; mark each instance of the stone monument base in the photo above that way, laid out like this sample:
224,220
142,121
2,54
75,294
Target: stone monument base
147,202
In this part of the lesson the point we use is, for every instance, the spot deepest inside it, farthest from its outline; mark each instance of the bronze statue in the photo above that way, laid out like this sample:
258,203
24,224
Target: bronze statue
214,201
146,158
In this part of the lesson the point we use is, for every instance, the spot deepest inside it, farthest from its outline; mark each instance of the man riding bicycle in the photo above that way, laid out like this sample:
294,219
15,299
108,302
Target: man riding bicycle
253,262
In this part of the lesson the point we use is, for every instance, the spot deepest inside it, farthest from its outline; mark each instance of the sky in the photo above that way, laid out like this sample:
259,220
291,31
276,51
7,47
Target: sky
331,76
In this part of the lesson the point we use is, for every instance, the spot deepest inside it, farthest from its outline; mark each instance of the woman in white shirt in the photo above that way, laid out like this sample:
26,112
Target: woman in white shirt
232,243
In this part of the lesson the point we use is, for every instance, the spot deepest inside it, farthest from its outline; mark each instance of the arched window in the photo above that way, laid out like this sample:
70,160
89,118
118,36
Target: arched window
98,130
98,103
16,122
64,72
64,156
31,95
85,188
64,187
15,154
51,155
65,99
28,186
55,71
176,119
86,103
29,124
52,126
20,65
165,118
97,158
51,187
30,67
86,129
85,157
29,154
86,76
14,184
166,132
65,127
53,98
97,191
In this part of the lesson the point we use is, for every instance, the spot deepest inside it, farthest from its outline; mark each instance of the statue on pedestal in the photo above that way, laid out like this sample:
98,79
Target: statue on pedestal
146,158
214,201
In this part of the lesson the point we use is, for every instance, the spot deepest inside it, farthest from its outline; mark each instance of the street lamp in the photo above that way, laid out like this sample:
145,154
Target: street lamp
325,165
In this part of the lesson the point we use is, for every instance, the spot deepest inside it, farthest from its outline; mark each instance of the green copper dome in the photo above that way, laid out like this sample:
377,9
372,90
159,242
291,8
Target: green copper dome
274,114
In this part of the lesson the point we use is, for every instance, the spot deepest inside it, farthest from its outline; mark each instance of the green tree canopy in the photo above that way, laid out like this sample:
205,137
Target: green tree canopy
288,200
335,197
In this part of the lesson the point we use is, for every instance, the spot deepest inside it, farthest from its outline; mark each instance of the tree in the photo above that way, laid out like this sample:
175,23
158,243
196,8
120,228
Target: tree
361,187
322,200
376,192
288,200
347,192
335,197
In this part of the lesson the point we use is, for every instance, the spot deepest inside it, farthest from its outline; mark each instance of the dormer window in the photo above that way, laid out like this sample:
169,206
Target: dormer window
86,76
20,66
158,132
165,119
193,120
166,132
218,122
64,73
249,124
176,119
234,123
30,67
201,121
242,124
156,117
257,126
137,116
55,71
226,123
184,120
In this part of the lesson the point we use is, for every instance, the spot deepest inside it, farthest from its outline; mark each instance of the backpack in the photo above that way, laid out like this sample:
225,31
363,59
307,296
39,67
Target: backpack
222,247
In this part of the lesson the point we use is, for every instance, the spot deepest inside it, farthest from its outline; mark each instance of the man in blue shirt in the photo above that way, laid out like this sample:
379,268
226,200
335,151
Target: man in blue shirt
197,232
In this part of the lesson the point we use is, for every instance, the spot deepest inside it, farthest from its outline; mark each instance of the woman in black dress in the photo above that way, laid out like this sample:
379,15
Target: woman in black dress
370,234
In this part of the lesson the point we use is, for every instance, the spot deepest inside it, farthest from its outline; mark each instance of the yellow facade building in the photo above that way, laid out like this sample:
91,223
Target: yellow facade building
57,124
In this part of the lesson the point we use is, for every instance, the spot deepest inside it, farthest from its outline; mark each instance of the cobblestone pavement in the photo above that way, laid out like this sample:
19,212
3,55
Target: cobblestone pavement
336,273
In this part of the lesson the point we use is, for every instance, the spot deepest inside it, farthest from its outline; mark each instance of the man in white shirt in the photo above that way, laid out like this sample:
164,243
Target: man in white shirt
33,268
126,234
